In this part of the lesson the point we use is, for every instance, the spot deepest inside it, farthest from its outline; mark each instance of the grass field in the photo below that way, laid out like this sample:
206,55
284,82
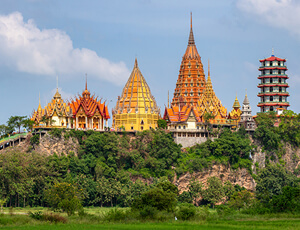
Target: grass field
20,221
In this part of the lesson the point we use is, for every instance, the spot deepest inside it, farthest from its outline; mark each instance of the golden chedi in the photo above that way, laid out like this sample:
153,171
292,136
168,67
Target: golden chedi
234,116
209,103
136,108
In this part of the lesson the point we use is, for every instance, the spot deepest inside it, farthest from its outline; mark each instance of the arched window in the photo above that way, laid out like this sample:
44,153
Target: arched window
271,108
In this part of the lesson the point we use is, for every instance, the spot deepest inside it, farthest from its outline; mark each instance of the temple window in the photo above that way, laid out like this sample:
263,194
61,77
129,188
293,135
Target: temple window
280,98
184,127
271,89
271,108
179,127
192,84
198,94
197,127
280,89
142,127
271,80
186,84
131,127
271,98
271,72
279,80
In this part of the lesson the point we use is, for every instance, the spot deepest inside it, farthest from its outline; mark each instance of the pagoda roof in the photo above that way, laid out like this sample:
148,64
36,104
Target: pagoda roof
89,104
136,95
272,58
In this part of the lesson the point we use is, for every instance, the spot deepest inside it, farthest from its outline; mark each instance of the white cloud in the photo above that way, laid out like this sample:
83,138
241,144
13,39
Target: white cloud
277,13
50,52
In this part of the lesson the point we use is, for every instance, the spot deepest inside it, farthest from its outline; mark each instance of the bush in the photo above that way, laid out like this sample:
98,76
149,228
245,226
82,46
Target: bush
35,139
36,215
148,212
185,197
54,217
186,211
64,196
156,198
115,215
56,132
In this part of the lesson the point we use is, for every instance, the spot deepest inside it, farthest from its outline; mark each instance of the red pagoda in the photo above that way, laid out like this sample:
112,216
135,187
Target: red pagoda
273,86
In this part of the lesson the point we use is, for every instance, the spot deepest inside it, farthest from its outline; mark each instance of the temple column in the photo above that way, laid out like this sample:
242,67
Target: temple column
86,124
92,123
76,125
100,127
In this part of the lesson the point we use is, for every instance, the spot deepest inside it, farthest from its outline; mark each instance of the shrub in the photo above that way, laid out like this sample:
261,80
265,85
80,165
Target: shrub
186,211
54,217
35,139
36,215
56,132
115,215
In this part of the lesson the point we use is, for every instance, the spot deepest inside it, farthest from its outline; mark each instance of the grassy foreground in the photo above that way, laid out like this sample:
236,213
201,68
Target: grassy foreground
19,220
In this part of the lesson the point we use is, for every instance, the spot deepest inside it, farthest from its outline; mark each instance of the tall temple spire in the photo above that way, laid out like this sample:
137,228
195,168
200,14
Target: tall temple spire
135,63
191,37
86,81
40,107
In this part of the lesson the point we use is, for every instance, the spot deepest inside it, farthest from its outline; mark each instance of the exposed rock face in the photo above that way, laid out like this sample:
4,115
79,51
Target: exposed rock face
50,145
240,176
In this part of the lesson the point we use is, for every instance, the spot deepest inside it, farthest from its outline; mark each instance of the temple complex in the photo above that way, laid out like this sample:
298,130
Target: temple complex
136,108
88,112
273,86
191,78
234,116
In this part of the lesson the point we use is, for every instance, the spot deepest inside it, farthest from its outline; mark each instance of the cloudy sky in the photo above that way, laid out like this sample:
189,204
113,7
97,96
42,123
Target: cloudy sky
43,39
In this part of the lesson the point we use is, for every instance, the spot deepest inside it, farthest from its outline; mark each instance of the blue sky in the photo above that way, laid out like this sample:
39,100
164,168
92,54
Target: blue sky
42,39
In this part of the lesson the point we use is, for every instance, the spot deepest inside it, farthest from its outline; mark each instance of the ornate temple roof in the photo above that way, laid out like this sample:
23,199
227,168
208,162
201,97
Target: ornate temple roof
209,103
90,105
38,114
191,78
136,95
236,112
58,106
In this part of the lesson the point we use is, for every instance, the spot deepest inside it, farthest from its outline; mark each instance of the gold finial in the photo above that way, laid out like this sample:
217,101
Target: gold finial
246,92
86,81
208,68
135,63
40,107
191,37
191,21
272,51
57,82
168,99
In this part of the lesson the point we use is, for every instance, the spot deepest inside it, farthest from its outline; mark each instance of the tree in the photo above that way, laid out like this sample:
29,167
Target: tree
207,117
16,122
241,199
28,124
3,130
64,196
266,132
161,123
271,180
156,198
214,191
195,189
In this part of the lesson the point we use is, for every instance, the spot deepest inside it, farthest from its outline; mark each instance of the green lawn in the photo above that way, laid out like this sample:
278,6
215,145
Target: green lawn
277,224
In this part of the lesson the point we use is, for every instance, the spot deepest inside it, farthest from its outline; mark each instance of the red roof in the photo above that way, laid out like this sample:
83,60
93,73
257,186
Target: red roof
275,103
272,84
273,76
272,67
272,58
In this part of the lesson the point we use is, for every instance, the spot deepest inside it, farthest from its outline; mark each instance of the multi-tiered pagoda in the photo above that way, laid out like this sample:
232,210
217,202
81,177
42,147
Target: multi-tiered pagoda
191,78
136,108
273,86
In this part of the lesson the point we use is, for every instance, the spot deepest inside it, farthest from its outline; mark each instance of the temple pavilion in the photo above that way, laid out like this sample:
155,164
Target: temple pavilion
56,114
136,108
234,116
88,112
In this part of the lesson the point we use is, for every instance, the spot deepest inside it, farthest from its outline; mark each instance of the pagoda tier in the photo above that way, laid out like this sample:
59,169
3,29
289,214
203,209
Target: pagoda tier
191,78
37,115
89,112
246,117
273,86
136,109
188,116
234,116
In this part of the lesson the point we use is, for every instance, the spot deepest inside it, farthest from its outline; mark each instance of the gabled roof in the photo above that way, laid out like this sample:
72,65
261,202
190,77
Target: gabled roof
272,58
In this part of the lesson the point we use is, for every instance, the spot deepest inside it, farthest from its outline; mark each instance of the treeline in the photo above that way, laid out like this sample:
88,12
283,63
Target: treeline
116,170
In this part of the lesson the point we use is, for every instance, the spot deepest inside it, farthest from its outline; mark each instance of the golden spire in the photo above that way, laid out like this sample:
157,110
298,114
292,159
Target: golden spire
168,99
236,104
86,81
135,63
57,94
191,37
40,107
208,69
